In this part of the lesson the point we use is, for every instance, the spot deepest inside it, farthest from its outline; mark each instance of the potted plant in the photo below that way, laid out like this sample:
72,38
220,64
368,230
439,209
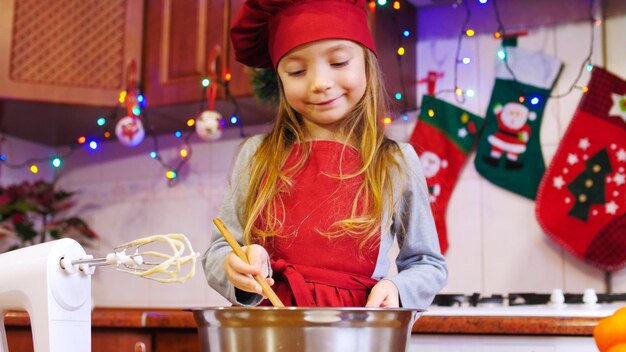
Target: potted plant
32,213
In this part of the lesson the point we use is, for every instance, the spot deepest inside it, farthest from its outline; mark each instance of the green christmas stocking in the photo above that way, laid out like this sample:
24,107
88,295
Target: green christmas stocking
443,137
509,154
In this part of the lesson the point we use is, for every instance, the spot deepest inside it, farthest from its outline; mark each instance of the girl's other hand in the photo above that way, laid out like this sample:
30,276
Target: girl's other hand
384,295
241,274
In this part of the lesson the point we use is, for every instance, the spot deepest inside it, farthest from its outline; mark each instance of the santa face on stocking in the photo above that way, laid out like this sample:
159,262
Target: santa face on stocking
432,163
512,135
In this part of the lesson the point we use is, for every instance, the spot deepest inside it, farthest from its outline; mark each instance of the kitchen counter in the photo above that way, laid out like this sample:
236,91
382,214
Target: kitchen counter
436,321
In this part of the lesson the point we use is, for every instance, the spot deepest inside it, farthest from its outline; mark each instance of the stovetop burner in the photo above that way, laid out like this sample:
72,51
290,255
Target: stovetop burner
519,299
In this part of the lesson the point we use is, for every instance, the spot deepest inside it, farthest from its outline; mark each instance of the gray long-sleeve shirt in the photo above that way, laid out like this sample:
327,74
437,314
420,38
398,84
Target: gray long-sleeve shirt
422,270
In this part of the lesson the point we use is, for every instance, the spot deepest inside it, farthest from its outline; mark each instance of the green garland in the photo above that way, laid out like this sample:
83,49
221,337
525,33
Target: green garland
265,86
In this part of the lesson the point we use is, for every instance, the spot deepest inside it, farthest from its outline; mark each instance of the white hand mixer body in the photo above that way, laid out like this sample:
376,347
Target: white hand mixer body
52,282
57,298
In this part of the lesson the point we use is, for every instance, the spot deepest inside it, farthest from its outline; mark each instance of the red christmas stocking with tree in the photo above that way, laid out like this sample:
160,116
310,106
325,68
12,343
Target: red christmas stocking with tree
443,137
509,153
581,202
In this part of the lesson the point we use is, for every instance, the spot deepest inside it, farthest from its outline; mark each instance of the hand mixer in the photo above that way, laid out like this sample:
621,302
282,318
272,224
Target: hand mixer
52,282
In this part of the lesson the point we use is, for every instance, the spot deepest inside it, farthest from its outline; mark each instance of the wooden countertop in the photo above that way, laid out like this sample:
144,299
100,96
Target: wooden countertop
150,318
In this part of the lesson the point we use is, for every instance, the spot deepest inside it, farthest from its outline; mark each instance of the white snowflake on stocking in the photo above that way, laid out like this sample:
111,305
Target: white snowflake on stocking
611,208
558,182
619,179
621,155
572,159
583,143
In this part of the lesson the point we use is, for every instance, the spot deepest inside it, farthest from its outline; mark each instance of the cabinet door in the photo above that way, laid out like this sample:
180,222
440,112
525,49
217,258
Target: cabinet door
102,340
108,340
176,341
179,37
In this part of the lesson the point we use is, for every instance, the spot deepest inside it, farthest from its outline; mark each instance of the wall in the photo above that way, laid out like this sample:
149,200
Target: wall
496,244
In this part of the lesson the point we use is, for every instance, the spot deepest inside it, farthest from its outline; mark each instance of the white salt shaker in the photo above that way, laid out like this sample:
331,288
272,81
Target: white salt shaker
557,298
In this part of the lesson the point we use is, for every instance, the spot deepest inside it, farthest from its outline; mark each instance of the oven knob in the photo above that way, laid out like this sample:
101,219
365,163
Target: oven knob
557,297
590,297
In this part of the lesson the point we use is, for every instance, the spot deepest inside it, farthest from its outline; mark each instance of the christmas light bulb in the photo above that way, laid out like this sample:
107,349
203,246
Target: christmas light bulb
178,134
470,32
81,140
206,82
233,120
34,169
170,174
401,51
101,121
406,33
431,113
122,97
534,100
153,155
93,145
470,93
56,162
387,120
398,96
501,54
372,6
191,122
396,5
184,153
382,2
466,60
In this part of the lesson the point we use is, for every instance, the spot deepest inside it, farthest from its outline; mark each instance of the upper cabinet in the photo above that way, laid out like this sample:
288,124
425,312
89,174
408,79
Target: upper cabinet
68,51
180,37
78,52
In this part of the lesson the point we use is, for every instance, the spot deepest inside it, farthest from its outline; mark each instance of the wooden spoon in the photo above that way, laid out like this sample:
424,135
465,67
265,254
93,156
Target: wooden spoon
267,290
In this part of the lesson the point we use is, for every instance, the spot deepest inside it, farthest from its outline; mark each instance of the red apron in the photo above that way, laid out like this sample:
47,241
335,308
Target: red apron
310,268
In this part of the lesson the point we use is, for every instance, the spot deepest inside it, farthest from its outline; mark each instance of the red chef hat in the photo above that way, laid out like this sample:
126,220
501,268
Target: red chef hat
265,30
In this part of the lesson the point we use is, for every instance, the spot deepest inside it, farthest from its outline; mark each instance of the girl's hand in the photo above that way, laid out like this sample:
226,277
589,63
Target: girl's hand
241,274
384,295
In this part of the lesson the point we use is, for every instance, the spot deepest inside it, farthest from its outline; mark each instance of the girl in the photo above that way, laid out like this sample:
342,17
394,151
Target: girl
319,200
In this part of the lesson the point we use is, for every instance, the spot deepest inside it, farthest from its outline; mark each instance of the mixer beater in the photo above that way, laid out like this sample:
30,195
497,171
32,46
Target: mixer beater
52,282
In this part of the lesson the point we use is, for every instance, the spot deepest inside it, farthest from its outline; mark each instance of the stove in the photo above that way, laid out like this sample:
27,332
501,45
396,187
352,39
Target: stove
557,303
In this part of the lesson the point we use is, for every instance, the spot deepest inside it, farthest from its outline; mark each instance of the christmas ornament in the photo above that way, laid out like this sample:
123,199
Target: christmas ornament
129,131
209,125
509,151
443,137
581,202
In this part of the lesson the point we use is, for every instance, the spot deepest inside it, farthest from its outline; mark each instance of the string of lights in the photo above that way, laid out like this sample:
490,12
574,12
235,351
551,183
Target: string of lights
135,102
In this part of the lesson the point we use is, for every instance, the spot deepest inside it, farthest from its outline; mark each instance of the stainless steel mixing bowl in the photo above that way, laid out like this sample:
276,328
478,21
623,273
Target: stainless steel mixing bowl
265,329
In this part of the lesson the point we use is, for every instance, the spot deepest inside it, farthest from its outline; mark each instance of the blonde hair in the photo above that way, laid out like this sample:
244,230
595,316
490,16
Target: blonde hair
362,125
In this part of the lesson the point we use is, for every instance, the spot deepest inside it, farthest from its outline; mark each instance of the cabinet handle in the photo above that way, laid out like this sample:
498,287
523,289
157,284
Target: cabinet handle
140,347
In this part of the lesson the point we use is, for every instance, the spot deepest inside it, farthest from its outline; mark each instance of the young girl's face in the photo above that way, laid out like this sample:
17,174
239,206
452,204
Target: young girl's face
323,81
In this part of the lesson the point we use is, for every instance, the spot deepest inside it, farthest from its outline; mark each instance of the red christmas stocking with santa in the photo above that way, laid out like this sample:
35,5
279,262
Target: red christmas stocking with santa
581,202
443,137
509,153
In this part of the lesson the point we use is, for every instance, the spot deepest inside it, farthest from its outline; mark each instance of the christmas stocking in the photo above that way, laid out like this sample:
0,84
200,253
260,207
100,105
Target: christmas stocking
581,203
443,137
509,153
